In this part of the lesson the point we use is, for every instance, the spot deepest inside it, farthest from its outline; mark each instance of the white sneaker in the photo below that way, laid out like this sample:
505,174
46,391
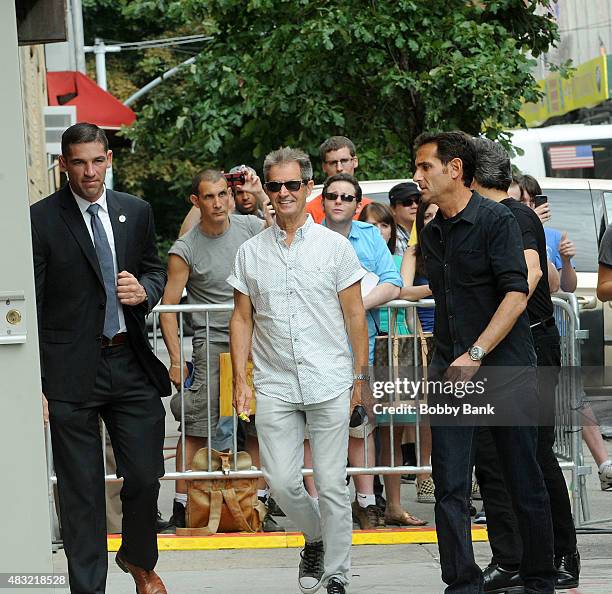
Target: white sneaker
605,478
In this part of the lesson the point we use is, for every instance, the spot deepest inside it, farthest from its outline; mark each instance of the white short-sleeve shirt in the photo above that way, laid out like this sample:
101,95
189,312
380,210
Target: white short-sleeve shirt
300,347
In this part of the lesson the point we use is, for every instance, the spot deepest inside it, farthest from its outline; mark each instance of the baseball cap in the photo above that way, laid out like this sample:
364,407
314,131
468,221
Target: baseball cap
403,190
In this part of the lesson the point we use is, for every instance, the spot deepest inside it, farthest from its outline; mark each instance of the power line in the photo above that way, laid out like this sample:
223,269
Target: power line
126,45
590,26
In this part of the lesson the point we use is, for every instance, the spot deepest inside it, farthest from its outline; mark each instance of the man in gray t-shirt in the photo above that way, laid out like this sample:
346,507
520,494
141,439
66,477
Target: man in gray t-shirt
200,261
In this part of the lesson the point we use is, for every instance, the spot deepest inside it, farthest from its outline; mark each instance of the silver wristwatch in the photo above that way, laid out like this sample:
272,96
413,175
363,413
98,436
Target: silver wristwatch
476,353
361,377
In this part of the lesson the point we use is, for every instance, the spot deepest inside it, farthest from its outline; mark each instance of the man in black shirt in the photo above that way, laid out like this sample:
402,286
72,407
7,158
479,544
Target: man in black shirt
476,269
492,177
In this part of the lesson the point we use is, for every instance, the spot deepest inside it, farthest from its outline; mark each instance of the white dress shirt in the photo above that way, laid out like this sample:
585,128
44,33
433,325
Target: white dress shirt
104,216
301,351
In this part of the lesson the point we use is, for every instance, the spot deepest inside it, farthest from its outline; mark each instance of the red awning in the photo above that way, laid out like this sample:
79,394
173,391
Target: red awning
94,105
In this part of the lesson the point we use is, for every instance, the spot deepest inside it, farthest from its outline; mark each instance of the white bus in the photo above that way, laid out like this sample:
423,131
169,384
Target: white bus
571,150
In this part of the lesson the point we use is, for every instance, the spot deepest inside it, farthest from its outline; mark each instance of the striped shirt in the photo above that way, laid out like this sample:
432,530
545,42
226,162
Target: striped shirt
300,347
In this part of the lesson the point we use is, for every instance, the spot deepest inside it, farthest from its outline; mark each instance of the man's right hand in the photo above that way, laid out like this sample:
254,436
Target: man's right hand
242,398
45,407
174,371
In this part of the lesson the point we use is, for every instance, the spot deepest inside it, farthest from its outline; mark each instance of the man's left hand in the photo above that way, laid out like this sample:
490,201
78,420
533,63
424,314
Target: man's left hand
268,211
566,247
129,290
462,369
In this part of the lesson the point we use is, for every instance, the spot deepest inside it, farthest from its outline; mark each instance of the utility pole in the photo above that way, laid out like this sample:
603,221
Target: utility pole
100,49
158,81
77,30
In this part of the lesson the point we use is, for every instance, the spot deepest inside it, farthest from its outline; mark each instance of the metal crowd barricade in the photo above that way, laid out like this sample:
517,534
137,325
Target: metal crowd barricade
568,438
568,402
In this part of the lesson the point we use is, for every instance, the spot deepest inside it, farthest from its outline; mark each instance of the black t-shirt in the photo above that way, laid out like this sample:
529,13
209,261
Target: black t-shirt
539,306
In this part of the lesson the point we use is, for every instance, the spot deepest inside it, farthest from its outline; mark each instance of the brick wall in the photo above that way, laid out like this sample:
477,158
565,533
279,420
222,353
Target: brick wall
34,94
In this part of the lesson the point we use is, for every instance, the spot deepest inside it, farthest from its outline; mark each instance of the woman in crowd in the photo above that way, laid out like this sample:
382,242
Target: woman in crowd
416,287
381,216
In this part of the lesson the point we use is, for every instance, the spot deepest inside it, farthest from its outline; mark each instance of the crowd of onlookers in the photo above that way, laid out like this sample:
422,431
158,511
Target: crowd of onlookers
200,262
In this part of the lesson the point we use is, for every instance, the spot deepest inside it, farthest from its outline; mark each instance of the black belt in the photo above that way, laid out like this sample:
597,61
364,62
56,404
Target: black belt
116,340
544,323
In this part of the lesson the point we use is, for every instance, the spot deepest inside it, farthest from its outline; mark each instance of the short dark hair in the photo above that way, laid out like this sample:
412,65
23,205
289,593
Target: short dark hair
452,145
381,213
530,184
335,143
208,175
493,170
82,133
345,177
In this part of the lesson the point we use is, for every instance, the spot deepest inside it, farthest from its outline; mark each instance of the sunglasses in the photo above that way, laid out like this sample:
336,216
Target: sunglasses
408,201
343,197
292,185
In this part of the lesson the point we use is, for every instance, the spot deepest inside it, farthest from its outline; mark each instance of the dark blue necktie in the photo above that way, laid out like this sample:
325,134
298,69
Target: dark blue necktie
105,258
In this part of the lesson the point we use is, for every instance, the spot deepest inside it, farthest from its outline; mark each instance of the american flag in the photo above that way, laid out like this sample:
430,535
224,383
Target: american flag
571,156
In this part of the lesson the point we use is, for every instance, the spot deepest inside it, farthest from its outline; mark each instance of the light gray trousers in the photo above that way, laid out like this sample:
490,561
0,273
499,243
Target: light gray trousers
280,430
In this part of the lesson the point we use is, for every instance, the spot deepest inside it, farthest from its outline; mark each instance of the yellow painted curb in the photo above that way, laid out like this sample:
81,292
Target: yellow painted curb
281,540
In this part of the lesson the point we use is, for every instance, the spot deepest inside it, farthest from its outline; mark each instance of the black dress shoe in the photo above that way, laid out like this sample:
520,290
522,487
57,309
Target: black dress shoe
161,523
498,580
568,571
177,519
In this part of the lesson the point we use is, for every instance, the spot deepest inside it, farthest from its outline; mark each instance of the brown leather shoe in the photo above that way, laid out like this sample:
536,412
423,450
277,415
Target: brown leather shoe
147,582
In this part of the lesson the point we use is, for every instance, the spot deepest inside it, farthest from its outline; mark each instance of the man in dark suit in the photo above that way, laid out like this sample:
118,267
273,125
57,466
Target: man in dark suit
97,275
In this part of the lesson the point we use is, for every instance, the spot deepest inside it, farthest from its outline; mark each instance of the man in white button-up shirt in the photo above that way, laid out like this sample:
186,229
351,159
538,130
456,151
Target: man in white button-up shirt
298,308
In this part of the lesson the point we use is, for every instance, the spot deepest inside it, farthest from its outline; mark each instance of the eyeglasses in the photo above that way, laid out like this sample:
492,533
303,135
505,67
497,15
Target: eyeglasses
292,185
343,197
336,162
408,201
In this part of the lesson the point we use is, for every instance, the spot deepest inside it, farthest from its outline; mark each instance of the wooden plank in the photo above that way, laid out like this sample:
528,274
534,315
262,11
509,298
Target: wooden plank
226,385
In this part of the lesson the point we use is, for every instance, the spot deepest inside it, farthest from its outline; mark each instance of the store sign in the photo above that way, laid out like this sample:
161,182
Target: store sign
588,87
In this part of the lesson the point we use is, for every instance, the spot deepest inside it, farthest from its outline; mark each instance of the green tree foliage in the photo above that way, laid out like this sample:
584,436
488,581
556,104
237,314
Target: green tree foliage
293,72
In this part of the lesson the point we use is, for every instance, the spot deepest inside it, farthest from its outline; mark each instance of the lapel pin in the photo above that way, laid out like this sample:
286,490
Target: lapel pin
122,218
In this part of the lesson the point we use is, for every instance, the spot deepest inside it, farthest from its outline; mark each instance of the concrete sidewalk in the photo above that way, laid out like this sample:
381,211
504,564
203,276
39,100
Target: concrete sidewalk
412,569
409,569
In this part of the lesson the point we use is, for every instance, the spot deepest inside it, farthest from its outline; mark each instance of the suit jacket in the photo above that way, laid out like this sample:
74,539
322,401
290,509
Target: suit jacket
70,294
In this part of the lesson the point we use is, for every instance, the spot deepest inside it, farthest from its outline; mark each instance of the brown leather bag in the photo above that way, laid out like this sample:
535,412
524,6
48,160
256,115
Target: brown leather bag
222,505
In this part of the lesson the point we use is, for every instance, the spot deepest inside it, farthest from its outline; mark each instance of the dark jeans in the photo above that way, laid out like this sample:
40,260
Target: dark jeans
134,416
453,450
503,530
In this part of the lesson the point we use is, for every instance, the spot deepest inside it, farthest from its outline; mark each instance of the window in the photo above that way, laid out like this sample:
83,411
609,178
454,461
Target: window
572,211
601,151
